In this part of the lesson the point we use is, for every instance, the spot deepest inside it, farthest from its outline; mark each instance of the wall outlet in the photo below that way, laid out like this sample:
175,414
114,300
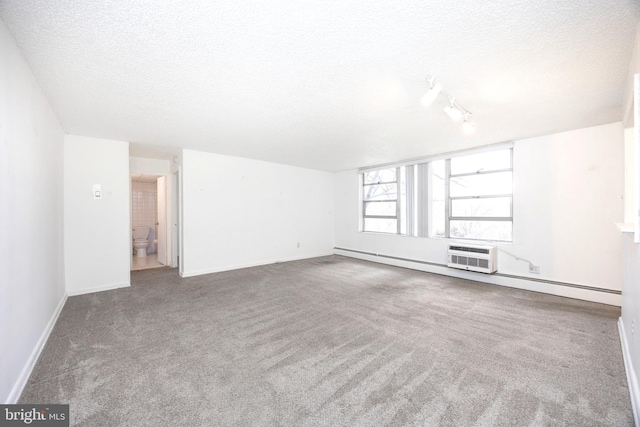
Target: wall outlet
534,269
298,245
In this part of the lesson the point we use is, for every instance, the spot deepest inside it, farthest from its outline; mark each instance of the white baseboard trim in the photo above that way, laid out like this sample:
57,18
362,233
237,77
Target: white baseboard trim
632,379
255,264
98,289
511,282
21,382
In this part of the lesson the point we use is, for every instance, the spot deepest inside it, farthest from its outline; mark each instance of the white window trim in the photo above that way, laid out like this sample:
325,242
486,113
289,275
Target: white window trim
397,200
448,217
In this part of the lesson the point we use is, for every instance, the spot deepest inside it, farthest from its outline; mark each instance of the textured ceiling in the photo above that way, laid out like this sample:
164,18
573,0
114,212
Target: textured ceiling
325,84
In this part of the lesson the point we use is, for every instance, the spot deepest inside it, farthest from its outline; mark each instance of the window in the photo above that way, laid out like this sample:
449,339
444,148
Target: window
467,196
479,196
384,200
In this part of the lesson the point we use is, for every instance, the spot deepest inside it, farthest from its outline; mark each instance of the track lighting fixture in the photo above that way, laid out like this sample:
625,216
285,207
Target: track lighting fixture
467,126
453,110
432,93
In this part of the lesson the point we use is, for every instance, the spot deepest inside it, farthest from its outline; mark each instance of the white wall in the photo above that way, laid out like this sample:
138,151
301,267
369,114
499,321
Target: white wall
567,196
144,204
629,332
31,225
630,185
97,234
149,166
239,212
628,323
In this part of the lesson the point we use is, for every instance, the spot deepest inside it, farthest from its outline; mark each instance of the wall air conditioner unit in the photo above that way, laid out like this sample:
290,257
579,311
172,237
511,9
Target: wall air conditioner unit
478,258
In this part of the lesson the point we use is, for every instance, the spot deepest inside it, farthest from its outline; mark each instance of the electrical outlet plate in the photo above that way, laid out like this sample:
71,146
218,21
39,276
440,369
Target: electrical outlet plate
97,191
534,269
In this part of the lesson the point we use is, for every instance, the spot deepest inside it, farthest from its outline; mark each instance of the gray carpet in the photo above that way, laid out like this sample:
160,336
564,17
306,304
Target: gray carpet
331,341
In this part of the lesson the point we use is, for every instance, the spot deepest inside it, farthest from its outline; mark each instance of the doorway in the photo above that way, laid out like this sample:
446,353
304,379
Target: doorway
149,221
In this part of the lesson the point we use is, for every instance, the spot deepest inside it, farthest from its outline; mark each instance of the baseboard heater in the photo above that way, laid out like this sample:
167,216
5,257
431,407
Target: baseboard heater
510,276
482,259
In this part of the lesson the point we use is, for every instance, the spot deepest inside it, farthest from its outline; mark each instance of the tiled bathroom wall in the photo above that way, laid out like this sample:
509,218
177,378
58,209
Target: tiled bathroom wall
144,204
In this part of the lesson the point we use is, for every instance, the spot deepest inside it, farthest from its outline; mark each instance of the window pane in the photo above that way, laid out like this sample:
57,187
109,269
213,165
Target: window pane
380,192
493,160
481,185
495,207
482,230
380,208
379,176
437,223
381,225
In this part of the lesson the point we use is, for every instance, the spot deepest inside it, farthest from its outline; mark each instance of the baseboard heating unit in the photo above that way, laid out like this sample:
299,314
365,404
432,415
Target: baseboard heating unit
482,259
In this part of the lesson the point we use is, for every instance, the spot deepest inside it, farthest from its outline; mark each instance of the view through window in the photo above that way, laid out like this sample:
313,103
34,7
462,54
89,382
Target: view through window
383,196
468,196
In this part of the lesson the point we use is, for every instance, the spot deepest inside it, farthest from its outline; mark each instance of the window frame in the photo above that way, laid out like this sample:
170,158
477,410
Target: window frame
397,217
448,217
415,178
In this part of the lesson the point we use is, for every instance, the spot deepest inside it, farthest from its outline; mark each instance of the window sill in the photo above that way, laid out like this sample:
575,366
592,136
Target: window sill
448,239
382,233
625,227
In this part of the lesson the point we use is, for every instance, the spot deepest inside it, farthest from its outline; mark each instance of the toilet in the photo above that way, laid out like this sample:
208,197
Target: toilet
140,242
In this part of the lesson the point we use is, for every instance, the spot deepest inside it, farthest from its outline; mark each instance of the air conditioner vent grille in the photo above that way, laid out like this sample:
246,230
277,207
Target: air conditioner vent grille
469,249
473,258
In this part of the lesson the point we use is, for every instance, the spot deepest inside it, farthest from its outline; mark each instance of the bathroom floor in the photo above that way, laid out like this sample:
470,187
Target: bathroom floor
150,261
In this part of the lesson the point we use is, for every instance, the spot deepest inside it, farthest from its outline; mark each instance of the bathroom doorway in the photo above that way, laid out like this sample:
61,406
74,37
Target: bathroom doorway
149,221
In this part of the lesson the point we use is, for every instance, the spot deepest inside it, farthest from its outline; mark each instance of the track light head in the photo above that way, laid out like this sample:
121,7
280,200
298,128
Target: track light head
432,93
467,126
453,111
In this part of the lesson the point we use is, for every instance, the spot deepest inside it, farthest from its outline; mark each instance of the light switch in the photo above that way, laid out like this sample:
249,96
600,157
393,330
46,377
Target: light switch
97,191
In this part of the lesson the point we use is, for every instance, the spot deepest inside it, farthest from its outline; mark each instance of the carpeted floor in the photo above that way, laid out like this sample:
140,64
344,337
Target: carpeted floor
331,341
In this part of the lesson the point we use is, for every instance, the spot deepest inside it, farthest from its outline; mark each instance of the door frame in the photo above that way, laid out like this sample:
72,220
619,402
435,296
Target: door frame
170,235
